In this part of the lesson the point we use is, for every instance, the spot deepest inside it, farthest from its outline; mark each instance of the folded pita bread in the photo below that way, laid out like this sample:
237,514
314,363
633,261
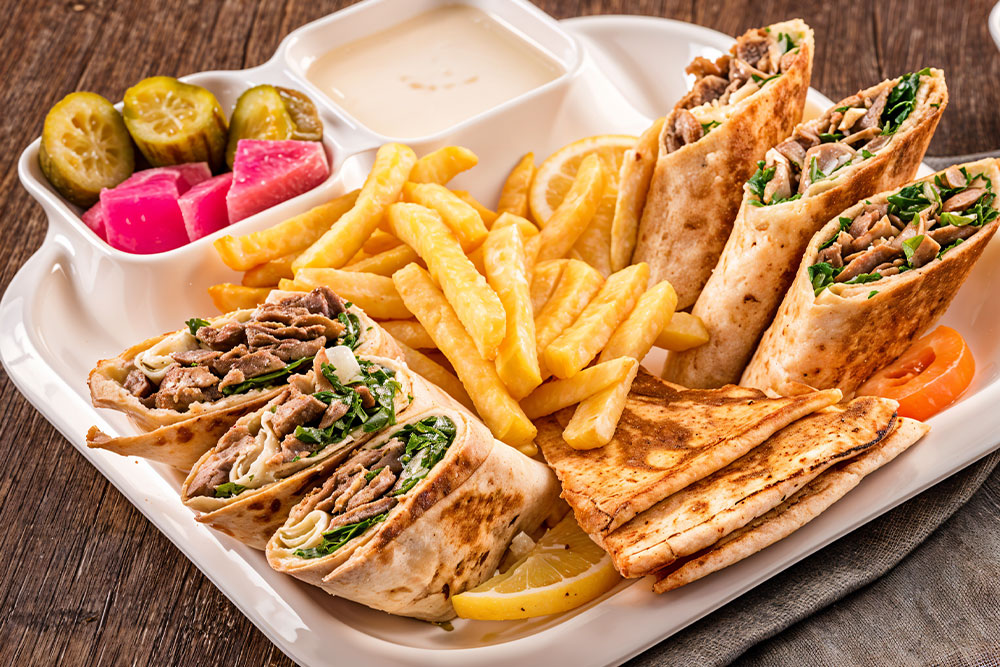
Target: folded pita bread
832,333
709,147
179,435
804,506
441,537
759,261
667,438
711,508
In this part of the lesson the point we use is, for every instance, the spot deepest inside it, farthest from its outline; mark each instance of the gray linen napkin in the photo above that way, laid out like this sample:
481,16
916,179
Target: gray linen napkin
939,605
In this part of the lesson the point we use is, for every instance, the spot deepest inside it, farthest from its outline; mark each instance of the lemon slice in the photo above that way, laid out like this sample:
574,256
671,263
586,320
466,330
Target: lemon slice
174,122
555,176
564,570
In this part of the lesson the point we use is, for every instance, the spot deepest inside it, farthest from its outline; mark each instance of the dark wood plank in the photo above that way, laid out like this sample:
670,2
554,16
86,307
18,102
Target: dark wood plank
85,578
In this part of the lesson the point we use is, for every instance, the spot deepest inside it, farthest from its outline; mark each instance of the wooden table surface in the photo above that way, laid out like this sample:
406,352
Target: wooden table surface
84,578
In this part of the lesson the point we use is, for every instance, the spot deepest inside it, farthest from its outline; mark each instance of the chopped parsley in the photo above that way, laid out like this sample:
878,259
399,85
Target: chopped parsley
865,153
229,489
707,127
380,384
352,329
196,323
902,100
910,246
267,379
863,278
785,43
948,247
821,276
814,171
338,537
872,293
956,220
761,81
427,441
830,137
845,224
760,179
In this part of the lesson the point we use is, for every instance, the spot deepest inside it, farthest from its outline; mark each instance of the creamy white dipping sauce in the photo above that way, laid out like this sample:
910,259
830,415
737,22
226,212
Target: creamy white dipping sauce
431,72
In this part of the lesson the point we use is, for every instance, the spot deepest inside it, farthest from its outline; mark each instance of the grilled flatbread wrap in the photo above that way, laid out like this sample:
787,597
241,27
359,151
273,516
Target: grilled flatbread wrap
270,459
739,107
801,508
409,547
667,438
704,512
864,144
186,389
875,278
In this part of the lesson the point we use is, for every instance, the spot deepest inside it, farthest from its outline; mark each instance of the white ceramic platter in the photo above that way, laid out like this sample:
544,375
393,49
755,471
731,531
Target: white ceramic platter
76,301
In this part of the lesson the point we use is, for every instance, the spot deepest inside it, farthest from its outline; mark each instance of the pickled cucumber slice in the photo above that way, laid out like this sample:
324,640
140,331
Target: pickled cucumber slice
174,122
85,147
308,126
275,113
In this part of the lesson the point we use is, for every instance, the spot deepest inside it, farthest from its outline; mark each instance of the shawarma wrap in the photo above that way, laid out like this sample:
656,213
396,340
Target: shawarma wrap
740,106
270,459
875,278
805,505
867,143
420,513
186,388
711,508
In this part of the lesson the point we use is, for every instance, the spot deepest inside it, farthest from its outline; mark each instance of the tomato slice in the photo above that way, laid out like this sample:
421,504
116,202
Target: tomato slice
933,372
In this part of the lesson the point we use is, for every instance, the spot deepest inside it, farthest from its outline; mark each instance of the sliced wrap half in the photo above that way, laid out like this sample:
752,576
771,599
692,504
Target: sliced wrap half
739,107
267,462
428,526
185,389
704,512
667,438
875,278
801,508
864,144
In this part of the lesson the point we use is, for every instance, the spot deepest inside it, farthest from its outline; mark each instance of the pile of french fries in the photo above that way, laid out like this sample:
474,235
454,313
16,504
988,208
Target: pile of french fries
487,296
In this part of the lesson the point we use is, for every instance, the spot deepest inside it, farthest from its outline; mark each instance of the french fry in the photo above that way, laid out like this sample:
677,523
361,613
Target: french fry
578,284
269,273
385,263
514,194
683,332
574,213
488,216
228,297
596,418
499,411
242,253
581,342
289,285
543,282
409,332
517,359
374,294
558,394
460,217
443,165
635,336
380,241
527,230
346,237
431,370
477,305
633,184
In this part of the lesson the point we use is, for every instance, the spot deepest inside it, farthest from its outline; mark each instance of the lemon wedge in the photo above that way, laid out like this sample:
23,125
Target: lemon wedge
564,570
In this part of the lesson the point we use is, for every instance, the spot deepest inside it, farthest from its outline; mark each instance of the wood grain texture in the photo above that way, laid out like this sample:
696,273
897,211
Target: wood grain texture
84,578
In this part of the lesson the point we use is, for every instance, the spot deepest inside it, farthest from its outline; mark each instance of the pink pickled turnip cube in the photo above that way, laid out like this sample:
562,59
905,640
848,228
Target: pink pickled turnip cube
144,217
204,206
266,173
93,217
186,175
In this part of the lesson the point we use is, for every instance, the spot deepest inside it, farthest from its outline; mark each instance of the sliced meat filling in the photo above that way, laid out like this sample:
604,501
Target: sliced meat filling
914,227
216,470
757,57
371,482
852,131
276,336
